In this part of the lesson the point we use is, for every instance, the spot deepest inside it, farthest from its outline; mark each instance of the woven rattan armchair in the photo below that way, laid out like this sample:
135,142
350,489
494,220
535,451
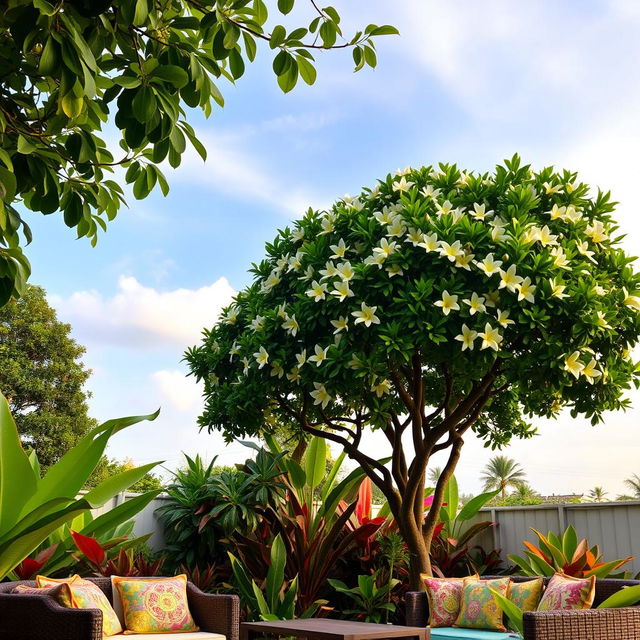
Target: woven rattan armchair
40,617
587,624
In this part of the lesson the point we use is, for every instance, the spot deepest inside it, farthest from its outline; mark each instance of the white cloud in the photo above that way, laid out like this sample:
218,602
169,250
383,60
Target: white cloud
139,316
182,392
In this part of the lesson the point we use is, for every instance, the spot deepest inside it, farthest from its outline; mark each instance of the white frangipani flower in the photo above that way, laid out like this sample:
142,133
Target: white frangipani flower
277,370
402,185
386,216
245,365
339,250
451,251
214,381
467,337
297,234
318,291
231,317
480,211
262,357
414,236
430,242
404,172
545,237
381,388
503,318
583,249
557,289
395,270
341,290
320,395
273,279
345,271
492,298
509,278
301,357
386,248
476,303
366,315
327,225
463,260
397,228
257,324
560,258
376,259
551,188
572,214
596,232
526,290
341,324
590,371
319,356
291,325
448,303
430,191
602,321
572,364
489,266
444,208
631,300
294,375
308,274
491,337
329,270
295,262
557,213
234,351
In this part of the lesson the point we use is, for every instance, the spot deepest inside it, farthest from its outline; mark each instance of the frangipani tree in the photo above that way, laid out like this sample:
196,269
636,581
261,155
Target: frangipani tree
437,302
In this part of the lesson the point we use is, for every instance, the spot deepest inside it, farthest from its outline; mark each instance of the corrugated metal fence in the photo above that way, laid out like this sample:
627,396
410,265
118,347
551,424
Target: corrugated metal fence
614,526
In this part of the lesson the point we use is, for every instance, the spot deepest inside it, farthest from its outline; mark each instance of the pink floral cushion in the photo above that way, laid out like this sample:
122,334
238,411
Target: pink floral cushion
567,593
444,596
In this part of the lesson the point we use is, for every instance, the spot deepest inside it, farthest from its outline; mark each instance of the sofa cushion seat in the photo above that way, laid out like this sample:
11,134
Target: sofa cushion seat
188,635
456,633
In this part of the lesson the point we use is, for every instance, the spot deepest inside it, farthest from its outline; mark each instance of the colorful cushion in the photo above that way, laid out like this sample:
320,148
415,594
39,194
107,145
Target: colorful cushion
478,607
567,593
526,595
444,599
55,591
155,605
185,635
44,581
84,594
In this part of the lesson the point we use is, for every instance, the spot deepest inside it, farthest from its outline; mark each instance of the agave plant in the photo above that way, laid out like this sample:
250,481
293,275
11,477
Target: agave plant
33,507
567,554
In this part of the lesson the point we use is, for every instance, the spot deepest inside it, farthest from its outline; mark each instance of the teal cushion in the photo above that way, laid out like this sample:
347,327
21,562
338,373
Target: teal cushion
453,633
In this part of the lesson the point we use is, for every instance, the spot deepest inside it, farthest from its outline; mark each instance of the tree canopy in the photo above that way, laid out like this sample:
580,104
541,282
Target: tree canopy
42,376
73,69
437,301
109,467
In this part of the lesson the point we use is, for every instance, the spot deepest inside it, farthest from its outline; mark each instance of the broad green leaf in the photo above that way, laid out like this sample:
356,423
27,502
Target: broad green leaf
72,106
315,461
307,70
275,575
512,611
451,498
329,482
17,479
171,73
625,597
569,542
49,57
475,504
296,473
285,6
278,36
117,483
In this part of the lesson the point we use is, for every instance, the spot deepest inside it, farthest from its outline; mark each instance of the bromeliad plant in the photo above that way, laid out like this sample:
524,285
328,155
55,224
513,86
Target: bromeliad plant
33,507
567,554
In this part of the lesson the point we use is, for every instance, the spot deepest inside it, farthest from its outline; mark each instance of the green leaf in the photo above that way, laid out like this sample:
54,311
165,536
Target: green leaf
296,473
249,46
275,574
307,70
8,185
73,210
451,498
285,6
261,12
72,106
44,7
144,104
141,12
625,597
116,484
569,542
278,36
384,30
49,57
25,146
315,461
512,611
236,64
328,34
475,504
128,82
173,74
288,80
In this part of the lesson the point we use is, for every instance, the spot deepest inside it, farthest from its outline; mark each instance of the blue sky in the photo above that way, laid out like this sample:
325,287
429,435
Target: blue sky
466,82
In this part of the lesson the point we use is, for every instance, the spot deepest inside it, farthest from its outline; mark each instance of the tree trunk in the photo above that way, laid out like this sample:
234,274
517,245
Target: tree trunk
419,561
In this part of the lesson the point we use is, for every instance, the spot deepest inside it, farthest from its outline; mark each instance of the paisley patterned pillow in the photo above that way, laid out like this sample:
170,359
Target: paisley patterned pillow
155,605
59,591
526,595
479,609
566,593
83,594
444,599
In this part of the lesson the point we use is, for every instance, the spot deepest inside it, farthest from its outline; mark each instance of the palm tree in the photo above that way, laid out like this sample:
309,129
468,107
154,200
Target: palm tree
597,494
501,473
433,475
633,483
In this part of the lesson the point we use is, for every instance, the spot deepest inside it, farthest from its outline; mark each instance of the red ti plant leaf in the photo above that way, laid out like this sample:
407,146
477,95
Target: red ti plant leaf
29,567
90,547
363,506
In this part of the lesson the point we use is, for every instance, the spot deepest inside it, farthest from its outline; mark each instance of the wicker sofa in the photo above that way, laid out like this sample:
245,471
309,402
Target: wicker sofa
40,617
587,624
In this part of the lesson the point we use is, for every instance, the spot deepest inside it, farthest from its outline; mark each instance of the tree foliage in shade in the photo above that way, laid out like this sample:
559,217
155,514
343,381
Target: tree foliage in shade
42,376
108,467
72,69
436,302
502,472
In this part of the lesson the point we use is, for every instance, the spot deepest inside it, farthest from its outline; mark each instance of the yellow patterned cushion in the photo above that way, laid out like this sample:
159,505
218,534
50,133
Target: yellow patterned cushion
478,607
83,594
58,591
444,599
526,595
155,605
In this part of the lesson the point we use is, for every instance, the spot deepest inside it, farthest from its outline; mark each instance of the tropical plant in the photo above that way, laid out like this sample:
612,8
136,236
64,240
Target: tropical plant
633,484
523,494
371,598
450,549
33,507
436,302
433,475
277,598
501,473
110,466
597,494
42,376
567,554
72,68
